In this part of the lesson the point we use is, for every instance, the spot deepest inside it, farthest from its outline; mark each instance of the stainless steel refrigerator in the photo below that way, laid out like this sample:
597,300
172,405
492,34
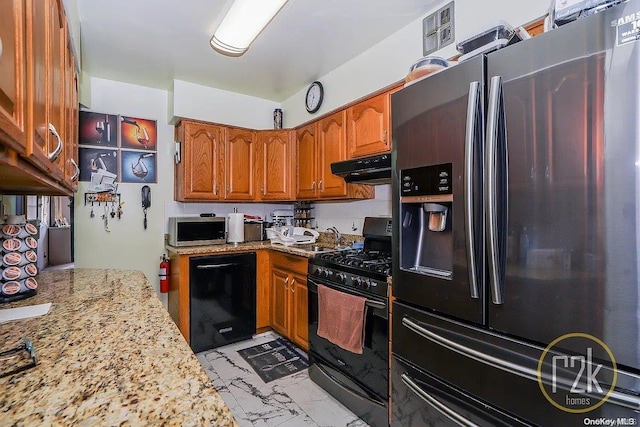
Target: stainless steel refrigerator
516,221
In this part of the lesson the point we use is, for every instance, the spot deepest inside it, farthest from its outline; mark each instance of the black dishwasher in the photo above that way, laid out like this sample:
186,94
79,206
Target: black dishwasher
222,297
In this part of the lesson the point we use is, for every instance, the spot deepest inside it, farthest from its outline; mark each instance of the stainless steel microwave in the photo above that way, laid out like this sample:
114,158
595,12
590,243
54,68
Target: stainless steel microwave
196,231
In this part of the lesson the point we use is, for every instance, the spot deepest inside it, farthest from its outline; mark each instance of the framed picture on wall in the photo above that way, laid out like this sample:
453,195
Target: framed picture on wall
92,159
138,166
98,129
138,134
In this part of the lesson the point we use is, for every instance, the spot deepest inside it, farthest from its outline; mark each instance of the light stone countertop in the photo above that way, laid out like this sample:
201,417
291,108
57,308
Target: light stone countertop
108,354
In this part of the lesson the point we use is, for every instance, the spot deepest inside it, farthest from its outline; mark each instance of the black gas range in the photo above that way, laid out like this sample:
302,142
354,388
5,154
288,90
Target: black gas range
361,270
359,381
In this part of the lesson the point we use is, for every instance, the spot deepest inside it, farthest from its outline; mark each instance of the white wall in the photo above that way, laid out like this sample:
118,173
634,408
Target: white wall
128,245
219,106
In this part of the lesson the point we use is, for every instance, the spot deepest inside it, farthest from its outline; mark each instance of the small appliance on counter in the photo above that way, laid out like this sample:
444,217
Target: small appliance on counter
253,228
196,231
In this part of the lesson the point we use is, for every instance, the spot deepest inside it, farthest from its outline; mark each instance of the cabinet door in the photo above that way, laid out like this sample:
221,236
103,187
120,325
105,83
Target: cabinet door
56,64
198,173
240,155
274,169
368,127
70,99
279,301
299,311
332,147
12,70
37,66
306,162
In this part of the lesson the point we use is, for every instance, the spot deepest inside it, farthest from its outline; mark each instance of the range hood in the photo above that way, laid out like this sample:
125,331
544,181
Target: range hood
366,170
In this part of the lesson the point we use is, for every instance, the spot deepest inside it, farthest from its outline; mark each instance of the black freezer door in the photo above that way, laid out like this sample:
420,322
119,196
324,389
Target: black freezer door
495,374
566,248
436,122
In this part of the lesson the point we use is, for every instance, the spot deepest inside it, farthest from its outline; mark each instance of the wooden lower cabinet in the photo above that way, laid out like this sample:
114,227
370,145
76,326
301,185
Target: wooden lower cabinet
289,298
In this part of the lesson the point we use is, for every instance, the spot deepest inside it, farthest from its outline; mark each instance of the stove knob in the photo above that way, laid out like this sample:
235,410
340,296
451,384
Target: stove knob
342,278
357,282
366,284
320,272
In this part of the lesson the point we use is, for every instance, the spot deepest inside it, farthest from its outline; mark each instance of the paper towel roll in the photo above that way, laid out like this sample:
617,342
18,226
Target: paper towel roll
235,222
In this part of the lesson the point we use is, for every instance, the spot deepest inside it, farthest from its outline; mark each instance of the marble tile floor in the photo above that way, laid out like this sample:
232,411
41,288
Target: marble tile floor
291,401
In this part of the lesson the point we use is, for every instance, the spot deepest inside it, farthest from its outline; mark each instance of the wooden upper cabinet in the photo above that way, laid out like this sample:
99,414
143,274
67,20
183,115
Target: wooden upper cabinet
199,173
71,169
13,72
240,160
37,76
56,89
274,165
306,154
368,126
332,147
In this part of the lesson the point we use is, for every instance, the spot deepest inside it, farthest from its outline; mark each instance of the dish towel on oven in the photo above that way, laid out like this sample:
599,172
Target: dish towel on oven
341,318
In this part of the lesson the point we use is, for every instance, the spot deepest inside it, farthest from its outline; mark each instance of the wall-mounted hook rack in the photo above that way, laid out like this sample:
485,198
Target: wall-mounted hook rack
100,198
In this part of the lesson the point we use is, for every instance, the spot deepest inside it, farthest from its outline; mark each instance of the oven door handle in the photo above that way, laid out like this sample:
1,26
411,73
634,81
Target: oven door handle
369,302
435,404
344,386
375,304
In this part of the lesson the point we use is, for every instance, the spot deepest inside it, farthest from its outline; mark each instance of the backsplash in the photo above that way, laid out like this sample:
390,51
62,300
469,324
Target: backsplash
347,217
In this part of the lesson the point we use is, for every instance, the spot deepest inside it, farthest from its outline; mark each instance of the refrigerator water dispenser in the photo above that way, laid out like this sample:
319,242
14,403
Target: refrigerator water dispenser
426,237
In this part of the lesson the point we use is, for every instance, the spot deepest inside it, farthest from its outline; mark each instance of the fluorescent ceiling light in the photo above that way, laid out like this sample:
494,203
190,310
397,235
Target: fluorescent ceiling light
242,24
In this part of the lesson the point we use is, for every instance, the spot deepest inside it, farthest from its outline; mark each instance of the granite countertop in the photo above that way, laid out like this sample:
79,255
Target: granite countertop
108,354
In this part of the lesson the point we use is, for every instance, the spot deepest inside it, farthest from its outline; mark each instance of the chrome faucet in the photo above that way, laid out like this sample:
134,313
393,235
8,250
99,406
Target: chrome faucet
336,234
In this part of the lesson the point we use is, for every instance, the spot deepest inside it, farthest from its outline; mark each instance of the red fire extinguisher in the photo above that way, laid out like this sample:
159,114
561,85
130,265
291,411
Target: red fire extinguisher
164,274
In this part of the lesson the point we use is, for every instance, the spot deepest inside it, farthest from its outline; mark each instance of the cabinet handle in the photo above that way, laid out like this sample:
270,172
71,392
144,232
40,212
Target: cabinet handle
320,186
177,155
262,190
228,191
292,287
384,137
215,190
75,176
0,47
313,186
53,156
286,284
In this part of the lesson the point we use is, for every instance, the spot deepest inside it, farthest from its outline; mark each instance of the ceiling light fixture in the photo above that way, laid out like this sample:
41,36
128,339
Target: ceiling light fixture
242,24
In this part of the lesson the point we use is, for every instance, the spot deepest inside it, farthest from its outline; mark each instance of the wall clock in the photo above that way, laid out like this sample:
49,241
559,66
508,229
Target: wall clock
313,100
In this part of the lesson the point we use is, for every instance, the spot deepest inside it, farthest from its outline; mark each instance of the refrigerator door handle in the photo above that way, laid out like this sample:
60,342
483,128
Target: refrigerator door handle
491,182
469,150
615,397
435,404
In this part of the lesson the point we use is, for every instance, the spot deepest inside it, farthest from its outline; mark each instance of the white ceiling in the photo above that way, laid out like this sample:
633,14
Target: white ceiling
152,42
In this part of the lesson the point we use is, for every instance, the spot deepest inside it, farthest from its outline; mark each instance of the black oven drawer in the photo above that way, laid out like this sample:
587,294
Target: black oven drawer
420,399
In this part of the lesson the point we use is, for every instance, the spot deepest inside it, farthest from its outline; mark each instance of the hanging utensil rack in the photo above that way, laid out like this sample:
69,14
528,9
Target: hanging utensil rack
100,198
